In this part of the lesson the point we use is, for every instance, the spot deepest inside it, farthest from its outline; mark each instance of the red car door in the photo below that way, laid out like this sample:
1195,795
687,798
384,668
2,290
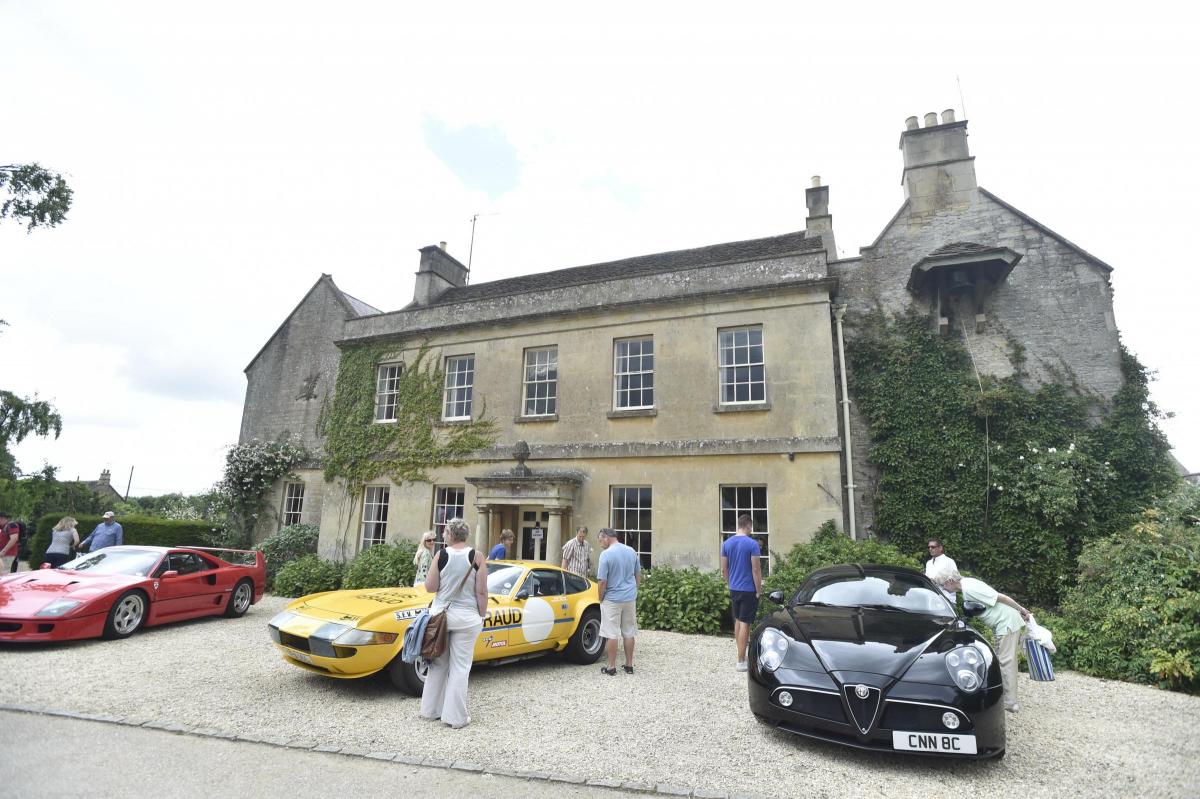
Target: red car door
186,586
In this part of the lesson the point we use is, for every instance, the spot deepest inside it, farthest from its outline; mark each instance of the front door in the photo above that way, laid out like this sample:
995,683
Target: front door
534,521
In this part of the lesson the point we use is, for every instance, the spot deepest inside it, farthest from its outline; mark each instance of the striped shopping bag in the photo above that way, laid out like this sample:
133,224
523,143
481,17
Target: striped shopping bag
1040,668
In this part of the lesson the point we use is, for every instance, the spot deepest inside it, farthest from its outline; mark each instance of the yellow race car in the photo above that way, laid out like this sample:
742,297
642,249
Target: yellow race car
534,608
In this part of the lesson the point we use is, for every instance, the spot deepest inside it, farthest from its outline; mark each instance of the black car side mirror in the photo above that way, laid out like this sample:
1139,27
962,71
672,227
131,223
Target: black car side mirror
972,609
522,594
776,597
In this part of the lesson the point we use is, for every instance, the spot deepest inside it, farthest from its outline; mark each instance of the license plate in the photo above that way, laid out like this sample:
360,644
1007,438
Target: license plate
300,656
934,742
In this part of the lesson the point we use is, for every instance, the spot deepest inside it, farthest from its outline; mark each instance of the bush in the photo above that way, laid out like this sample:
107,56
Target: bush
308,574
682,600
827,548
287,545
1134,613
382,565
145,530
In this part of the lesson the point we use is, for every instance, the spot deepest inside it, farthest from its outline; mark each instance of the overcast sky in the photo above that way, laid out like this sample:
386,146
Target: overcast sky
224,155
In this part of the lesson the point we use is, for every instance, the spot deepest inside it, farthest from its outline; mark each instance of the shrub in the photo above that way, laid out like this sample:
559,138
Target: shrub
827,548
1134,613
146,530
287,545
308,574
381,566
682,600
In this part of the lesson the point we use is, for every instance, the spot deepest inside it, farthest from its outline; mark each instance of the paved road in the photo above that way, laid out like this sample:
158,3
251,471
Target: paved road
49,756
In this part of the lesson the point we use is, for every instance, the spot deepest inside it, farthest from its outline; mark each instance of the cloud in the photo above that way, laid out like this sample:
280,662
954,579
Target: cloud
482,158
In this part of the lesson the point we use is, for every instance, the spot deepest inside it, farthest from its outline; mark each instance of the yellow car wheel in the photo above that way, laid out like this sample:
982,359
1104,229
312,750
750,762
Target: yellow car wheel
585,645
408,677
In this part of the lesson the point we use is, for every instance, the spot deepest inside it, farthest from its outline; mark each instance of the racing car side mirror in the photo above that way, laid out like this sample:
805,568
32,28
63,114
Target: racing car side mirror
776,597
522,594
972,609
168,575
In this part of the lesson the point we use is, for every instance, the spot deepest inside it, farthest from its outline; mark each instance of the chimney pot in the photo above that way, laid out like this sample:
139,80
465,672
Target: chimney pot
816,181
947,116
931,120
441,245
911,123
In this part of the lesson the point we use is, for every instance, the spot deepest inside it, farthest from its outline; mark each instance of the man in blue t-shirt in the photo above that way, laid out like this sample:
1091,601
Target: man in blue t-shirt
741,567
619,576
500,551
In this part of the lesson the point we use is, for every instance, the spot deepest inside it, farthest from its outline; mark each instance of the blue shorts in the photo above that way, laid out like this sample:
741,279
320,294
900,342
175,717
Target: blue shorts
745,605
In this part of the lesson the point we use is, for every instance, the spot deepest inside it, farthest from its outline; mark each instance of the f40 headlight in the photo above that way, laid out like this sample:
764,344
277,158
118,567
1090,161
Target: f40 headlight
772,646
967,667
59,607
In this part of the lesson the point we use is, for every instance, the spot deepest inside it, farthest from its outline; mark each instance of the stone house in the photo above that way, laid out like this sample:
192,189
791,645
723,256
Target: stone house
663,395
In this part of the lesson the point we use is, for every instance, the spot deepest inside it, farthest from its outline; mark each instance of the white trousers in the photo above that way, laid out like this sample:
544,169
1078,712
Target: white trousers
445,693
1007,647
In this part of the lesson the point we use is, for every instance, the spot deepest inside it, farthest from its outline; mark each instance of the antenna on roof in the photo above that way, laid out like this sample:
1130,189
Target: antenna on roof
961,101
471,251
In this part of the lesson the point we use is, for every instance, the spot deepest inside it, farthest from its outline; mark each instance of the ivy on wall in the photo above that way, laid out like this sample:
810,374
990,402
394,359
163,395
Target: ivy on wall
1014,480
359,450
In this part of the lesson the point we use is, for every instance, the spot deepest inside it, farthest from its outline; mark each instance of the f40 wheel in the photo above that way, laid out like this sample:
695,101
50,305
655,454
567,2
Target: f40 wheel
126,615
240,599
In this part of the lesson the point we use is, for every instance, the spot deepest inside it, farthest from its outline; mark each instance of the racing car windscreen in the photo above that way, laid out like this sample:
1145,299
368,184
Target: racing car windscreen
134,562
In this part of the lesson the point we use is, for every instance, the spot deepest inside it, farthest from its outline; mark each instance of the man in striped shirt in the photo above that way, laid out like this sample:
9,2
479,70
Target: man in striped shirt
576,554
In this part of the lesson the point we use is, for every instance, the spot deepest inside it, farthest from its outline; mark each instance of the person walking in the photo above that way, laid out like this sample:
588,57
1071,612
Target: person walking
464,601
741,566
500,551
63,537
1002,613
577,555
10,542
107,534
620,576
937,559
423,558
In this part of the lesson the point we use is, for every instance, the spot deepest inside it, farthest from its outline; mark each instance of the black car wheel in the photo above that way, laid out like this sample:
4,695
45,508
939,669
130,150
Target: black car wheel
240,599
408,677
585,645
126,615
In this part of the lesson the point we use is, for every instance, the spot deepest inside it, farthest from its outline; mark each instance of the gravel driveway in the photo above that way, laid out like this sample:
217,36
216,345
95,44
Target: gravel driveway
681,720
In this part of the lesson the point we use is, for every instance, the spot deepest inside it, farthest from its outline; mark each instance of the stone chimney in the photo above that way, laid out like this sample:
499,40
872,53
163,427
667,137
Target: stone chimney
819,221
105,477
938,169
438,272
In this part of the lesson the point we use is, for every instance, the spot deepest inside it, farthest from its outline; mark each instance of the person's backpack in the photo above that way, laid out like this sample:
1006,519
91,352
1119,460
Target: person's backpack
23,552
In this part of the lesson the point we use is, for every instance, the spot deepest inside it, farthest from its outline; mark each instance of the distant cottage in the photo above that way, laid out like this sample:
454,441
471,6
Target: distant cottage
664,395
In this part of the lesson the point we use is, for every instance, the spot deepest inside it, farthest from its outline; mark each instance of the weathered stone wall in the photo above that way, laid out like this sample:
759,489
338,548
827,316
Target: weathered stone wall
287,381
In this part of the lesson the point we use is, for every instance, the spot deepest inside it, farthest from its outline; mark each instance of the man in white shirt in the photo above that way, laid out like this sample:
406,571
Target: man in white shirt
938,559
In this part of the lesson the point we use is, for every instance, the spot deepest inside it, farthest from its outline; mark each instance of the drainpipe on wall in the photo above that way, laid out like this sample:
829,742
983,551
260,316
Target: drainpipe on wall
839,311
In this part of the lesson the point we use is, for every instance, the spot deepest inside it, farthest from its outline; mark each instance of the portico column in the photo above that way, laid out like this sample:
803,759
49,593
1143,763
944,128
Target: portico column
554,536
483,527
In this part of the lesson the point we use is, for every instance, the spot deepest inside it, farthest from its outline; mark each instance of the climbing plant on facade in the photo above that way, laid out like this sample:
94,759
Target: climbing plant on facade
1014,479
250,471
359,450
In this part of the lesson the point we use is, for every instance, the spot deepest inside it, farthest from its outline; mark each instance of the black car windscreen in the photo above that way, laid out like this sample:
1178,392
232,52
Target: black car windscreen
899,591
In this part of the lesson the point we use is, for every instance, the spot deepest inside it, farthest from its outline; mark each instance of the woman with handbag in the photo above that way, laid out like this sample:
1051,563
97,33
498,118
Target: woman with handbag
459,580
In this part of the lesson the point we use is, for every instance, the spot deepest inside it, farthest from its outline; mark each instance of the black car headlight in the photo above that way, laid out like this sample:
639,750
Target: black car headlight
967,667
772,646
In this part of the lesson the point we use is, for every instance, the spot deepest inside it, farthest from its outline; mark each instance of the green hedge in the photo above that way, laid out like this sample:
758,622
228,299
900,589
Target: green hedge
285,546
308,575
146,530
682,600
383,565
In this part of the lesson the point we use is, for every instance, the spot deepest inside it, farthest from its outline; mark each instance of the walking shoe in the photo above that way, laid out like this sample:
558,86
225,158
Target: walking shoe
628,669
741,665
610,672
1013,708
460,726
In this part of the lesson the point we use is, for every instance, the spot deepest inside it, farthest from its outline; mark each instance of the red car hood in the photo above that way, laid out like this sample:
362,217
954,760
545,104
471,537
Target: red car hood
23,594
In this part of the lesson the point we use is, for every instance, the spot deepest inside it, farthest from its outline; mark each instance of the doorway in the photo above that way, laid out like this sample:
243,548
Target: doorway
534,520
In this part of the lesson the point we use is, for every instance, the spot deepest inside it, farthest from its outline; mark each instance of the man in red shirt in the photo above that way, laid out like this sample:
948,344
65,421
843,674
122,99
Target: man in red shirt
10,540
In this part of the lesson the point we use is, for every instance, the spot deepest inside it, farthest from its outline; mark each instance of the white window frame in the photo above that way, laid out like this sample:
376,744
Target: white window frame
375,515
453,392
641,539
443,509
732,365
530,379
293,504
762,536
618,374
387,389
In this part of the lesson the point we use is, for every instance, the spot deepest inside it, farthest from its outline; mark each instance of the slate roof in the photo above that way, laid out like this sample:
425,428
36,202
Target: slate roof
959,248
360,308
730,252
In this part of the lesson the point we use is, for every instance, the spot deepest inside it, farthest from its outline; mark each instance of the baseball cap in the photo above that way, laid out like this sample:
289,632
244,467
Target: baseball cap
108,514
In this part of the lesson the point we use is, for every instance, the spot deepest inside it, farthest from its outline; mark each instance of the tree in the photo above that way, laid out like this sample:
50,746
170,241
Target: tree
18,418
34,194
